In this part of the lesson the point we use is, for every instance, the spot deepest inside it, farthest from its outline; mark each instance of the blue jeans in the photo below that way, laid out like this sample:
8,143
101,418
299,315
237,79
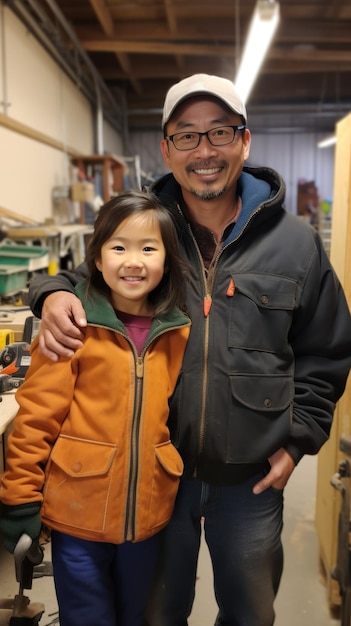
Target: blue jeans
243,534
102,584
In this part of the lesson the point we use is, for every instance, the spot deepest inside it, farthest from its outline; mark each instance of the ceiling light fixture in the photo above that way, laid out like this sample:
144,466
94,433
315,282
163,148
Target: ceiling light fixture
327,142
262,28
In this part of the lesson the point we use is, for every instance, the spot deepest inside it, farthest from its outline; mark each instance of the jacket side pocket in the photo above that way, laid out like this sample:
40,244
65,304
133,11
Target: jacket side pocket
77,483
168,469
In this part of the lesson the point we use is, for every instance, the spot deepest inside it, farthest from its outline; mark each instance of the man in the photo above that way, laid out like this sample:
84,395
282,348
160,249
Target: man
268,356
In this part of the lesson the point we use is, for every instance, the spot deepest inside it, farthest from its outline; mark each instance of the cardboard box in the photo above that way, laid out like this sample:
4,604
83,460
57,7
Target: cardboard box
82,192
62,206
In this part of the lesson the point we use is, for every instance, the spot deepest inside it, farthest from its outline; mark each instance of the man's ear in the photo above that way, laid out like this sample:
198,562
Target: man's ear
246,143
164,147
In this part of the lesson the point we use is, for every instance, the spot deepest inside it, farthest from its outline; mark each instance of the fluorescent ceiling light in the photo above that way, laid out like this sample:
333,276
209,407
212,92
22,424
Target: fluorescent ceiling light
262,28
328,141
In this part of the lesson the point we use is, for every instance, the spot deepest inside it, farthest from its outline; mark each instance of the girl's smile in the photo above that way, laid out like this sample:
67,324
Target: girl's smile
132,263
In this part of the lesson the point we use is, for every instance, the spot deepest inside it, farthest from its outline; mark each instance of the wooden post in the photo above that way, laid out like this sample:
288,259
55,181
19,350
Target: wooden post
328,499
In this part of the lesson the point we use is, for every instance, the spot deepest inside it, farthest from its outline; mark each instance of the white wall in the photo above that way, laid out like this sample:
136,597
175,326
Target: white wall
28,172
42,97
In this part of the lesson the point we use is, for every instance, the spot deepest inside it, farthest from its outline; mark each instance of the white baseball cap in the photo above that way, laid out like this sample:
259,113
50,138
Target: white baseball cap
202,84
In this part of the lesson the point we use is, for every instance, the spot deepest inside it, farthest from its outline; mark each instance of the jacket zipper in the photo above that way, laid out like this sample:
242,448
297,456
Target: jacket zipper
207,309
129,522
134,451
134,444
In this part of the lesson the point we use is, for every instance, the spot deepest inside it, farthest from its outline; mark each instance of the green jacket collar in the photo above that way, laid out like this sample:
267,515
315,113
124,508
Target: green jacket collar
100,312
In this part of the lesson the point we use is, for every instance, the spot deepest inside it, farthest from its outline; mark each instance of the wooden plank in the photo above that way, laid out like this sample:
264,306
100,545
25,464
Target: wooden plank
328,500
32,133
32,233
17,217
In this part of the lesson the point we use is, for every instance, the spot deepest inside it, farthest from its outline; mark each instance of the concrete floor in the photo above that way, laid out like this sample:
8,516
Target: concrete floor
301,599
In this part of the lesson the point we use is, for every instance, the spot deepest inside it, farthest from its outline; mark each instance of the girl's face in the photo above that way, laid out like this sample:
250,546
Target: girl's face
132,263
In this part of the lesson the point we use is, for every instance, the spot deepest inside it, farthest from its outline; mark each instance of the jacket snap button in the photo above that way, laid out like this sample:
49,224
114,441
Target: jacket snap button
264,299
77,467
268,403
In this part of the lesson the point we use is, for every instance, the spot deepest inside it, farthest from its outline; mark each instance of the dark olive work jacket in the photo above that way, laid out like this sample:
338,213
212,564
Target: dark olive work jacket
265,367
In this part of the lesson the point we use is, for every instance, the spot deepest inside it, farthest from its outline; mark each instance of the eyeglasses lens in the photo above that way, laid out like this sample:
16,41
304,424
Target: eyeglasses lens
216,136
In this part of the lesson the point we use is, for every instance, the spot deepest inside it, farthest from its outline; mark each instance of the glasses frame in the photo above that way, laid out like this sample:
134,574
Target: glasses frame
241,127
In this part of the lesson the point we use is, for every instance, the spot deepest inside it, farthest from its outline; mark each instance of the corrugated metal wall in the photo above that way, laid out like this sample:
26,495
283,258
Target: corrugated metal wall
296,157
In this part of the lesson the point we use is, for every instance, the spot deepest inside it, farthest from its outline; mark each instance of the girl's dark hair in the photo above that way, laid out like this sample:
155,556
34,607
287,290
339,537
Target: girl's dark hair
171,289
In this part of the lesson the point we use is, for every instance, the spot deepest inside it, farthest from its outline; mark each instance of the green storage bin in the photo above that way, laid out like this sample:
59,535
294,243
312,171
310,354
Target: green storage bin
12,279
32,257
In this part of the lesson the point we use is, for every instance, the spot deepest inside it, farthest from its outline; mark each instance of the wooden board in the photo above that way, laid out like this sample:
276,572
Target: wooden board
328,500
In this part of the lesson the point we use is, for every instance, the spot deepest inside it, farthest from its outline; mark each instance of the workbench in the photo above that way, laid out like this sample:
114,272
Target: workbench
8,410
60,239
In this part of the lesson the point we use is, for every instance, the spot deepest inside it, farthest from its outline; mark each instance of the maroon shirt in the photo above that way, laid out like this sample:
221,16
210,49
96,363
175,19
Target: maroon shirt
137,327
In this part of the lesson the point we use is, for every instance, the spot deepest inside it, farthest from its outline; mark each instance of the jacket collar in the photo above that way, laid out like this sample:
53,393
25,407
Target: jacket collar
259,188
100,312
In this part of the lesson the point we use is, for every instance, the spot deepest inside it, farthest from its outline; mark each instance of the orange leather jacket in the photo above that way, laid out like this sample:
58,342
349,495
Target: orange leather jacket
90,439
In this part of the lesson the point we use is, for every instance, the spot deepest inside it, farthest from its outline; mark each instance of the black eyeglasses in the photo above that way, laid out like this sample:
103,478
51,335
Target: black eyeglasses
220,136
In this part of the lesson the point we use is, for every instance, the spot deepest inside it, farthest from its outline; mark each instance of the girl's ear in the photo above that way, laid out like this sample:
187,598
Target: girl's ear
98,264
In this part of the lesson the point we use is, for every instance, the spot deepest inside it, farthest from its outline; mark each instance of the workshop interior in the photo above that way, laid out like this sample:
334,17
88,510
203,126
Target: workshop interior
82,86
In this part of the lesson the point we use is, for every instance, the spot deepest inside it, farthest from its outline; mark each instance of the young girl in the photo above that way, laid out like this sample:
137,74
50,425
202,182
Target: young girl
90,455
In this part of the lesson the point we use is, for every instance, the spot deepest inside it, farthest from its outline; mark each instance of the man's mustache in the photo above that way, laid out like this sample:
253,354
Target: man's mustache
206,164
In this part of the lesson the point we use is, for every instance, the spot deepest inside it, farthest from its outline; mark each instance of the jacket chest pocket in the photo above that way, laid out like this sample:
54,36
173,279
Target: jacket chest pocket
261,312
259,417
78,482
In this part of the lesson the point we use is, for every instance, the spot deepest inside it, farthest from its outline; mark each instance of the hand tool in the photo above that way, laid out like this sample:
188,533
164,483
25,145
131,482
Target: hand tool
7,382
14,362
20,611
7,336
15,359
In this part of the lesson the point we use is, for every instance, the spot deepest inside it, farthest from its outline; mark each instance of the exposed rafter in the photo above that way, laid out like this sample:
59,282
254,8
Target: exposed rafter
140,47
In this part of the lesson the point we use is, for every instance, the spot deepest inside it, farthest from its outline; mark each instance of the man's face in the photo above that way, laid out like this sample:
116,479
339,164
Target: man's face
206,172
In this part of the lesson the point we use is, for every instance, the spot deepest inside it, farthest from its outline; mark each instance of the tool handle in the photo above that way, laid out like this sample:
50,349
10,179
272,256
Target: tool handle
27,554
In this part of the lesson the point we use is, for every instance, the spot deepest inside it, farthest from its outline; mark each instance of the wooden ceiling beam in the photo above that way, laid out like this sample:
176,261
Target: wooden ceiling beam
208,31
171,16
104,16
162,48
307,54
157,47
145,73
173,27
333,9
290,11
107,24
303,67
